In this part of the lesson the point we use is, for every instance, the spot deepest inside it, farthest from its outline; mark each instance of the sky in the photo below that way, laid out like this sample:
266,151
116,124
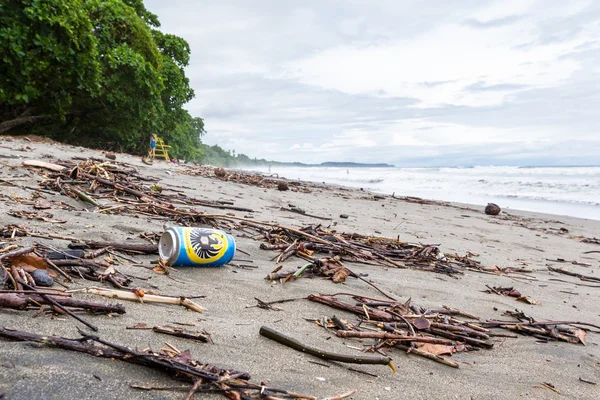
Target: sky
410,83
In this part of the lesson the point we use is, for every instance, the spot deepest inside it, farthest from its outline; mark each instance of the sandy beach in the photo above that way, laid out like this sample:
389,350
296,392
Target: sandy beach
514,368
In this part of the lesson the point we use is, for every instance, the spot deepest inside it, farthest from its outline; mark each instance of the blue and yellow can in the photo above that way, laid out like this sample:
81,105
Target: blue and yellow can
201,247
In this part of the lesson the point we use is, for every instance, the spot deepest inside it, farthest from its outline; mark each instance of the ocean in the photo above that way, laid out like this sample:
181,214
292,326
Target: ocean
572,191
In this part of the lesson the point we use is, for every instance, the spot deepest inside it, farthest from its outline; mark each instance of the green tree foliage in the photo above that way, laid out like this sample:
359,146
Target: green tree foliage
96,73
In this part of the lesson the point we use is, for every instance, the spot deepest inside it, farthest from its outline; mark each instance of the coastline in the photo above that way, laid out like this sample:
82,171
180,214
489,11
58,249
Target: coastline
533,193
514,239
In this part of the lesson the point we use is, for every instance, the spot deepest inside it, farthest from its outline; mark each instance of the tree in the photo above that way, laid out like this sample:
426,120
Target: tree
48,56
96,73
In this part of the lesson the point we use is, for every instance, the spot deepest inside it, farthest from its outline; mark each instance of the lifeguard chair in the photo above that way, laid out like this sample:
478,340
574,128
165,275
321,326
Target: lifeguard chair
162,150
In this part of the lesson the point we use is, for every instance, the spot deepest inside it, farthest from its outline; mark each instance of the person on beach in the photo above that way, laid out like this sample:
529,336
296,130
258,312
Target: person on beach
152,147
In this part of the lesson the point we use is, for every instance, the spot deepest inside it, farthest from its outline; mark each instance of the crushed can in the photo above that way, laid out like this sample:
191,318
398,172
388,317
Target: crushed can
200,247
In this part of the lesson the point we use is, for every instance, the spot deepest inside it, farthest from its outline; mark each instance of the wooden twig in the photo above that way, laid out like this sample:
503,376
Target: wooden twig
58,305
21,300
147,298
326,355
391,336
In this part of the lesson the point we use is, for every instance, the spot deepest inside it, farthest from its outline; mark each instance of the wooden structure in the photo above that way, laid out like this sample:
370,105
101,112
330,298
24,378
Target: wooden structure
161,150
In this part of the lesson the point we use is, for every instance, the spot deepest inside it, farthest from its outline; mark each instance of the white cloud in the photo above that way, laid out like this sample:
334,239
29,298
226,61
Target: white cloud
457,55
452,81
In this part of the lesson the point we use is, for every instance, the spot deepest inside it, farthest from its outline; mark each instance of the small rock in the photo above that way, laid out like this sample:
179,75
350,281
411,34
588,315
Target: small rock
344,216
111,156
282,185
492,209
42,278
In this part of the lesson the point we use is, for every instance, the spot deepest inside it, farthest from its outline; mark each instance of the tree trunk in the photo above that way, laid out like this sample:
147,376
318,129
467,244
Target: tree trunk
13,123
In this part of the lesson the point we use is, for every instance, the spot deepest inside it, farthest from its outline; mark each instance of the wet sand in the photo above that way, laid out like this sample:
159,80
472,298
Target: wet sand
510,370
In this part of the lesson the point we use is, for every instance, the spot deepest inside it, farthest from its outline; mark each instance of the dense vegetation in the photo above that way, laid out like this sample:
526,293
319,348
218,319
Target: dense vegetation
97,73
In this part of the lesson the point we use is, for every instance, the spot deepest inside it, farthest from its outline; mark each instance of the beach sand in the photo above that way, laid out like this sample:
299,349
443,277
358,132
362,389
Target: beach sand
510,370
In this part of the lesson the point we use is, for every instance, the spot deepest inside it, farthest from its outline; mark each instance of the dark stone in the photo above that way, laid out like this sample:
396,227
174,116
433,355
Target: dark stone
343,216
492,209
42,278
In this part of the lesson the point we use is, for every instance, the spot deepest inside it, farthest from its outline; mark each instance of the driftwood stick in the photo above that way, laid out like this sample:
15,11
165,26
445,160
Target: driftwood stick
462,338
111,350
538,323
375,315
141,247
371,284
179,332
21,301
326,355
67,311
57,269
391,336
147,298
16,253
580,276
462,329
14,273
9,276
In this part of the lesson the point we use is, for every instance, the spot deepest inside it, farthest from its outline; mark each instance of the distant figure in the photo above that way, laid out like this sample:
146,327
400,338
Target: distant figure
152,147
347,172
269,169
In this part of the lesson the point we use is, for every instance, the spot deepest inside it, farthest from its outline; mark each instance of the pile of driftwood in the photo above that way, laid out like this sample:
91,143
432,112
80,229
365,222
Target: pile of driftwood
429,333
423,332
205,378
270,181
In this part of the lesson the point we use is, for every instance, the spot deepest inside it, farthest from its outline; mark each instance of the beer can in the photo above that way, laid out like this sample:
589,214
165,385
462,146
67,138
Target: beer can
200,247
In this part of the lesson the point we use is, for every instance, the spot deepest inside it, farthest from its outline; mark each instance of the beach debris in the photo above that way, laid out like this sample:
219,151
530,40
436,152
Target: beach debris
42,278
326,355
249,178
344,216
141,297
512,292
298,210
282,186
548,385
492,209
203,336
584,239
45,165
353,247
566,331
427,333
20,300
580,276
200,247
220,172
110,155
204,377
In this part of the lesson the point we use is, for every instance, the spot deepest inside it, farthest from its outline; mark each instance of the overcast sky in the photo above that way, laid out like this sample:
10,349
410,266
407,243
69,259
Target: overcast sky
424,83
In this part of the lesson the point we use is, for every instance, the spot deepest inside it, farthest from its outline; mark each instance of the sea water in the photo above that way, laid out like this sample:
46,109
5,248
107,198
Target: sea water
573,191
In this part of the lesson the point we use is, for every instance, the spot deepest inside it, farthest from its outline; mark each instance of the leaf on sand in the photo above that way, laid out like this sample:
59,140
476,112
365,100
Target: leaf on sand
529,300
42,205
437,349
30,259
340,275
421,323
580,334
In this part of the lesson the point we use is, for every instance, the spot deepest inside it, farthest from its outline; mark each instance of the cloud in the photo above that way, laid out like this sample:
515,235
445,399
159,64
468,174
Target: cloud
403,82
495,23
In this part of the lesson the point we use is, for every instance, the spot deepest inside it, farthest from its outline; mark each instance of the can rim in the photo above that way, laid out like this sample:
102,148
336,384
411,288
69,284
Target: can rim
168,246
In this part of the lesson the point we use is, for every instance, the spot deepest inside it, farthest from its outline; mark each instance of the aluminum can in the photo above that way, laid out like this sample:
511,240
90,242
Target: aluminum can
200,247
